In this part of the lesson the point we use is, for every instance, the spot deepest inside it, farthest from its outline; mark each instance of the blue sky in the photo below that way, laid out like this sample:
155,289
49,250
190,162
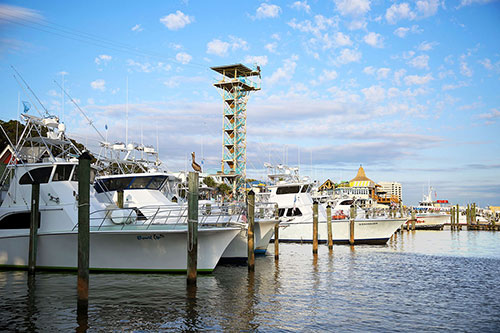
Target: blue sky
408,89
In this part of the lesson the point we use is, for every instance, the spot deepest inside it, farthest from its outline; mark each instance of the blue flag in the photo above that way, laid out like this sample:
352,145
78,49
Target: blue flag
27,106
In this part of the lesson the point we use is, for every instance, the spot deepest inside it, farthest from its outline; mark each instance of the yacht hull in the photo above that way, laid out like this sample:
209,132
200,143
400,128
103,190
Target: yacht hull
134,250
367,231
238,249
431,221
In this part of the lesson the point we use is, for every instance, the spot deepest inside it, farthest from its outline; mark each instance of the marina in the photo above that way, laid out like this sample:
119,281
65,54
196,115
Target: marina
423,280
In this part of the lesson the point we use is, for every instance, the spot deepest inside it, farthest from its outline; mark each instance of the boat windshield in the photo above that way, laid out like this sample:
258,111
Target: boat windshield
129,183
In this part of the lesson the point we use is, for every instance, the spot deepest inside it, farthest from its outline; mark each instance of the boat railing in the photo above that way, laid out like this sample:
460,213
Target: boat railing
151,217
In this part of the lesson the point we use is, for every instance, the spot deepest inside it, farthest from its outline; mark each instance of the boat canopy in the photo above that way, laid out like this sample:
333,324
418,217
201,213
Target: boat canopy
130,183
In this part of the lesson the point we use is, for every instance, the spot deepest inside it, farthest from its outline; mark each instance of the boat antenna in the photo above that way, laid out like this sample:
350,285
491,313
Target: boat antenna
126,118
90,122
27,85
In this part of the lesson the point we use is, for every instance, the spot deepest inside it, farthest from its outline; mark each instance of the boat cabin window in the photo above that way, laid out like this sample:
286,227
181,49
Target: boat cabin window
347,202
74,177
281,212
17,221
39,175
130,183
63,172
305,188
288,189
293,212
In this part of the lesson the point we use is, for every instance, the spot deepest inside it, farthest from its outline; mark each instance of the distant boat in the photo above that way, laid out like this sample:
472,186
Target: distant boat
293,196
431,215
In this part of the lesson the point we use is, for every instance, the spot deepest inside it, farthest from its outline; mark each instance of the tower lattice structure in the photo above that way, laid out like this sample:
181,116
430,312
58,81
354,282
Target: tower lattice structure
235,85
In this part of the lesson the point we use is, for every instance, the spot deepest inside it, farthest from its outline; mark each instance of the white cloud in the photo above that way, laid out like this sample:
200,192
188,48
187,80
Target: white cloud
370,70
218,47
137,28
183,58
98,84
421,61
271,47
486,63
464,3
301,5
492,115
16,13
259,60
427,7
426,46
401,32
454,86
374,39
268,11
342,39
464,67
221,48
325,76
416,79
176,21
320,23
399,12
374,94
148,67
347,55
353,7
285,72
357,24
398,75
383,73
102,59
238,43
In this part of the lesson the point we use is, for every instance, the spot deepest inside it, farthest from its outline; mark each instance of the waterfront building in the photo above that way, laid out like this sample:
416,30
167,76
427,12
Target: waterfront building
391,189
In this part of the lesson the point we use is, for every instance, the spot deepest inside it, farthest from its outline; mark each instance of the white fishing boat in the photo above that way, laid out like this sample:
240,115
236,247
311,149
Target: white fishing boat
121,239
431,215
143,192
295,203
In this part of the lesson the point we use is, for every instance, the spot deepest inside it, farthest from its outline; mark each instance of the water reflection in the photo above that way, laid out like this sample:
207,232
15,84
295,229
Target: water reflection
400,286
31,310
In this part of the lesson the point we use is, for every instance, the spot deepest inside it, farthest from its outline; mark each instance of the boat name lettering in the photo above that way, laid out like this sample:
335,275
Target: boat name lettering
150,237
368,223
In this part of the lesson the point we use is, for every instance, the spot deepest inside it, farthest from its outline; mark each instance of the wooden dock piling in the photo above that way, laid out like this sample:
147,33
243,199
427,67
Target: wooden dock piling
276,233
329,226
315,227
83,226
119,201
352,216
413,220
452,218
34,224
192,241
457,219
251,224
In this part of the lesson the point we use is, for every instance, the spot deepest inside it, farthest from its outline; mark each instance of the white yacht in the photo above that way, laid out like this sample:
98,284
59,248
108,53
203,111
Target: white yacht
295,204
431,215
120,238
142,192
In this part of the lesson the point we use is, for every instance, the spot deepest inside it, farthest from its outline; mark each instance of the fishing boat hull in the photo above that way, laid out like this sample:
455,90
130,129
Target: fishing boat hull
125,250
431,221
366,231
238,248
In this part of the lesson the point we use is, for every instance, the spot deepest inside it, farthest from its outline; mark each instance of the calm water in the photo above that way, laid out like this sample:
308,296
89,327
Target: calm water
428,280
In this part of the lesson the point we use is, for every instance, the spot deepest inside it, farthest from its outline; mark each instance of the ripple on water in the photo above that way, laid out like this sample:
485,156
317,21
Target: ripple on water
429,281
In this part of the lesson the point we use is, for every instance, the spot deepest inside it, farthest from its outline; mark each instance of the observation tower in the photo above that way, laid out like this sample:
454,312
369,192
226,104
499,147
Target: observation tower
235,86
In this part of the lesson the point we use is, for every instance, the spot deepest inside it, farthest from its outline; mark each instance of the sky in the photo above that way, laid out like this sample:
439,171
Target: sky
410,90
